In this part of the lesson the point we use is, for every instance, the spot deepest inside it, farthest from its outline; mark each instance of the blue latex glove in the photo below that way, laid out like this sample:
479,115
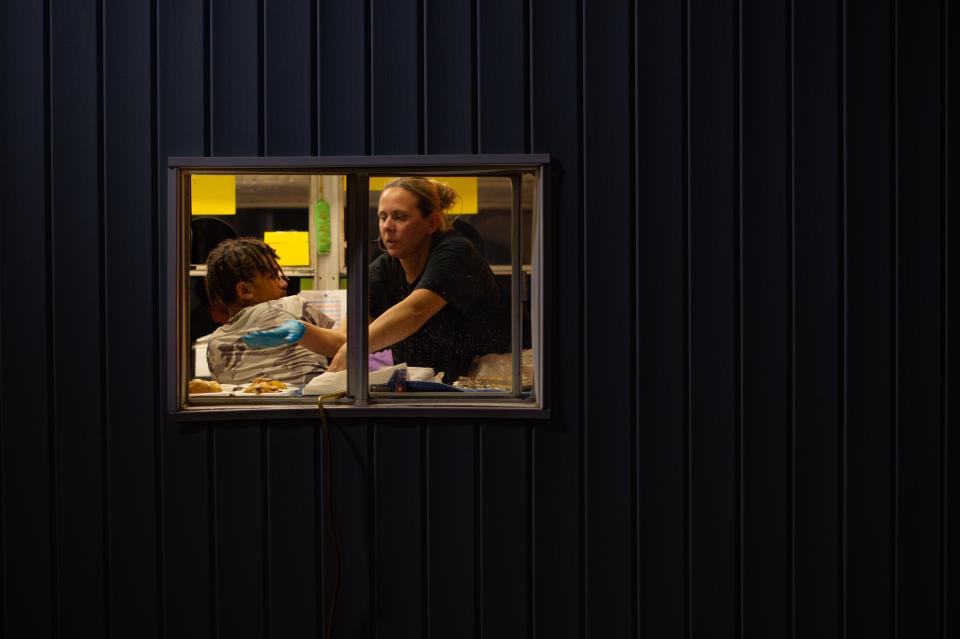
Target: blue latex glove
288,333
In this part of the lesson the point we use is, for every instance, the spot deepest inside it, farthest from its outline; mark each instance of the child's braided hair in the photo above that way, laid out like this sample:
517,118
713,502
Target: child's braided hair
234,261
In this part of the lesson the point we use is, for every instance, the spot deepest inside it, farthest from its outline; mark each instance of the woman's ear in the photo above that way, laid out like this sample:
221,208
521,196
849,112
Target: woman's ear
433,223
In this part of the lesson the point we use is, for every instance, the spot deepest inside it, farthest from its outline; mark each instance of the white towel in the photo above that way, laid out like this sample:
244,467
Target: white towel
327,383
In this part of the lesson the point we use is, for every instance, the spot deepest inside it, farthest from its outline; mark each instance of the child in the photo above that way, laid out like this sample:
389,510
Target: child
292,341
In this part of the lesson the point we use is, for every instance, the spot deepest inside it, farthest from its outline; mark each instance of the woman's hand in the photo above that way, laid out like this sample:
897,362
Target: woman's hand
339,361
396,324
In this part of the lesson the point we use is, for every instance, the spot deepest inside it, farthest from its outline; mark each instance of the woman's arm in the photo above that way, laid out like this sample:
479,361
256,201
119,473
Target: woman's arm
404,318
324,341
398,322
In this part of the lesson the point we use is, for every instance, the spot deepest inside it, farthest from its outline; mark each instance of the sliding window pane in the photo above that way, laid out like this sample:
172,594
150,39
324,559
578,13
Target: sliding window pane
440,281
267,297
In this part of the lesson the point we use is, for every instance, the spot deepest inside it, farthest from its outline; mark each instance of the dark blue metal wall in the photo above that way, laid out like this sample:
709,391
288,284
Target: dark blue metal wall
755,247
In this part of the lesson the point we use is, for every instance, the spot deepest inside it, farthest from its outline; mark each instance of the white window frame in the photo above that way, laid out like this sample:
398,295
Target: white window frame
359,402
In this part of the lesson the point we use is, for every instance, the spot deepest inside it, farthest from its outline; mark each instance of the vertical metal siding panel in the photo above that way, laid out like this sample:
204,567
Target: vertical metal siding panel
608,321
75,197
238,472
266,529
29,603
51,379
556,93
765,322
129,209
895,180
845,322
314,66
479,530
920,272
294,605
530,537
660,327
189,580
452,530
739,453
5,116
289,77
213,516
426,524
399,508
3,527
817,186
791,188
501,75
4,166
343,78
506,554
951,311
897,323
322,474
239,467
352,493
448,77
235,74
450,503
505,506
871,327
188,561
687,200
181,108
396,72
713,315
895,205
181,120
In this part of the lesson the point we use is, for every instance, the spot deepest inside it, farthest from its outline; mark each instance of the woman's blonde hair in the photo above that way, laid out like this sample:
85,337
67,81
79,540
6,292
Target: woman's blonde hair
432,197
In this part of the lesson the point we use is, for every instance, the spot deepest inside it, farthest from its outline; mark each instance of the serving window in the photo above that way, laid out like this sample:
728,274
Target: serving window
339,250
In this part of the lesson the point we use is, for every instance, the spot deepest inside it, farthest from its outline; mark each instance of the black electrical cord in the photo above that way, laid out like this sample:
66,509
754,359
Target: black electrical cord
328,462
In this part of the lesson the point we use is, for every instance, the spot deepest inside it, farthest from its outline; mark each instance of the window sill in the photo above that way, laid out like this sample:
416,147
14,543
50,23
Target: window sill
306,408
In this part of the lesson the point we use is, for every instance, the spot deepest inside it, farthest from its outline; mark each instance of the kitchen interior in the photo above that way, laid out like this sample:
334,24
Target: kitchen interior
302,217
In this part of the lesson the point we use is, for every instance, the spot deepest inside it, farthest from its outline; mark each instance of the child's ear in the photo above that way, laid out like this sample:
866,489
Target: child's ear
244,291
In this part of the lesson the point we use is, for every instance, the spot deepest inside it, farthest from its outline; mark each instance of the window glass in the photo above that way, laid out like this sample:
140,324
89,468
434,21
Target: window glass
264,250
457,258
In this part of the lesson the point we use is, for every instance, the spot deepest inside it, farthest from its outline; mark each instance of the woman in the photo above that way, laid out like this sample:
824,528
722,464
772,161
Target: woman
433,298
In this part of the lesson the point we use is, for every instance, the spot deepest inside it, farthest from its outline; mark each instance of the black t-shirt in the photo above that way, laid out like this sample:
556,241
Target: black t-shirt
475,320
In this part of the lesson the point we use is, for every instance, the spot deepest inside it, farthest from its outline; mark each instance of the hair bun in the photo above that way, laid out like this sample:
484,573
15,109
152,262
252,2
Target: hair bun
447,195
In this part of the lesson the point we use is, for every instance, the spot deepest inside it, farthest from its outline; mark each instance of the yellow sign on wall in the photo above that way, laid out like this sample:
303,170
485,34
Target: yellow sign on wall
292,247
213,194
466,188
